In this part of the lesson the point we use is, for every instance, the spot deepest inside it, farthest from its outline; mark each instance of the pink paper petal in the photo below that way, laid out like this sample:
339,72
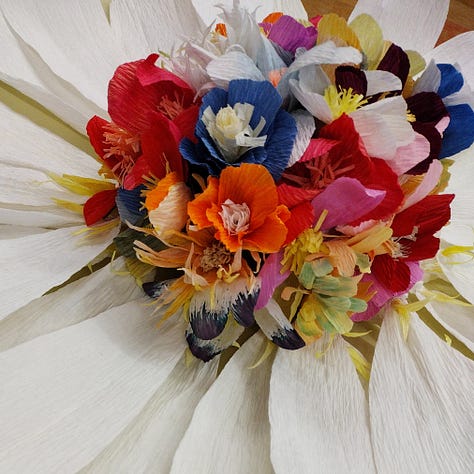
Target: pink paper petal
271,278
346,200
427,185
383,295
408,156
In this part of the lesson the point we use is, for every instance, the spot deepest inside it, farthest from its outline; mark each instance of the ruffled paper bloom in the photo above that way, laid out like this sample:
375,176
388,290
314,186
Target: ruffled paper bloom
274,187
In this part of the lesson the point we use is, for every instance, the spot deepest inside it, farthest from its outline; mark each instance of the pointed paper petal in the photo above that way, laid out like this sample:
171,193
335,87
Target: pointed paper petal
277,328
459,320
27,145
420,401
458,267
406,24
154,25
229,431
34,264
148,443
22,68
318,412
76,302
71,392
209,11
72,39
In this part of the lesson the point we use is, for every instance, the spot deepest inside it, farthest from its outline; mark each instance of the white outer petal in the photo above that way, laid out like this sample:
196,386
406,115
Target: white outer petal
73,38
154,25
229,432
22,68
459,320
208,10
411,25
457,50
32,265
149,442
75,302
420,397
71,392
318,413
25,144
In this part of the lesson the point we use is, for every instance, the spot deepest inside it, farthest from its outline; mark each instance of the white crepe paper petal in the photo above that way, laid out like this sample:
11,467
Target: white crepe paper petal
148,443
312,102
25,144
459,320
22,68
230,431
429,81
458,267
410,25
32,265
305,127
420,397
208,10
76,302
233,65
71,392
326,53
318,412
66,36
154,25
381,81
457,50
460,184
49,217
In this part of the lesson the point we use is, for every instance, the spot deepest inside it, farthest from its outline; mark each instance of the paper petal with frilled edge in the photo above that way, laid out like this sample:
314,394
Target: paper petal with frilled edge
229,432
148,443
76,302
410,25
208,10
151,25
73,39
32,265
318,412
420,397
71,392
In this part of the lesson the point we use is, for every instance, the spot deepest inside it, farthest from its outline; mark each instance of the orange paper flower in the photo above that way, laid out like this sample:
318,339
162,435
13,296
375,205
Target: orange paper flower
242,205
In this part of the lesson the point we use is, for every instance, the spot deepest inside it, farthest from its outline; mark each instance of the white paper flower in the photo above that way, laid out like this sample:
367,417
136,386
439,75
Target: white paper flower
89,383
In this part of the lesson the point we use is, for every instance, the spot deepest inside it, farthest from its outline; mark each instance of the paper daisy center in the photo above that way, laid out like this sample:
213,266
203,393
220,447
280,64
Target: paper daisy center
231,131
215,256
235,217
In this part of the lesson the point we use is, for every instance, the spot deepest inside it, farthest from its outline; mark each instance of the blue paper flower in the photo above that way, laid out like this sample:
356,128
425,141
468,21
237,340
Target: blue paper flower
460,133
242,125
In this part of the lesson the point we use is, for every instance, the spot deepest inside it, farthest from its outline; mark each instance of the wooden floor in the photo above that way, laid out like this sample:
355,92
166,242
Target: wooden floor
460,16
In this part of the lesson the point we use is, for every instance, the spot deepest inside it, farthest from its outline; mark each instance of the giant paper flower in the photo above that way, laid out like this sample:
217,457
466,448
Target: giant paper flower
89,382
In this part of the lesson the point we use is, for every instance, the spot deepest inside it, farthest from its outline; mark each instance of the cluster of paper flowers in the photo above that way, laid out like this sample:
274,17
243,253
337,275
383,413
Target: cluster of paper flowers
279,177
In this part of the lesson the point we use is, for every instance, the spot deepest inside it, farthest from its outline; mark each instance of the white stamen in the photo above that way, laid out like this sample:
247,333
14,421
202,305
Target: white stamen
231,131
